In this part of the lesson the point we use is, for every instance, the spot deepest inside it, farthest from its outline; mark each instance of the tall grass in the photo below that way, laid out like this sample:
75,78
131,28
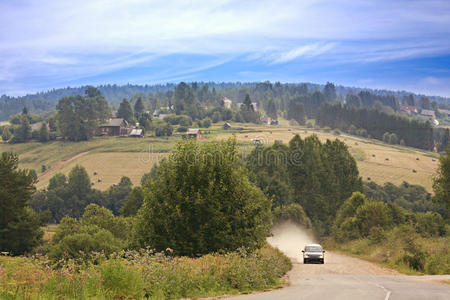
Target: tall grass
141,274
402,249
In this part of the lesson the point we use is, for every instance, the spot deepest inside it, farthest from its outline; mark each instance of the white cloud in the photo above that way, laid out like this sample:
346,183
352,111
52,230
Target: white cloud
305,51
68,40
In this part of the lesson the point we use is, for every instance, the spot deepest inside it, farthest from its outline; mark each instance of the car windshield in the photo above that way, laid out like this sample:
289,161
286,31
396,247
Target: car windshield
313,249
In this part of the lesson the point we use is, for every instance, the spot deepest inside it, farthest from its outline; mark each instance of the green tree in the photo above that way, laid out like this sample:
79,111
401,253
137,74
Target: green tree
215,117
272,110
329,92
202,202
116,195
6,135
78,116
441,183
125,111
138,108
207,122
19,225
43,133
23,132
296,111
133,202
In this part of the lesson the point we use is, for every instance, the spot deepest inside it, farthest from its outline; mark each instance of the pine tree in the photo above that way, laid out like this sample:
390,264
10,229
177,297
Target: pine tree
271,110
125,111
23,132
19,225
138,108
43,133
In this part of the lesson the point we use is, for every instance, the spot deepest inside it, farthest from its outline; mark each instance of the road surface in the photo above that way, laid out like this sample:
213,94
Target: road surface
345,277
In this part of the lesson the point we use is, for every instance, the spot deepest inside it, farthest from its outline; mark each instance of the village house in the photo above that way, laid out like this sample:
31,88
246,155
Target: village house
254,104
226,126
137,133
114,127
444,112
408,109
428,113
227,102
194,133
38,126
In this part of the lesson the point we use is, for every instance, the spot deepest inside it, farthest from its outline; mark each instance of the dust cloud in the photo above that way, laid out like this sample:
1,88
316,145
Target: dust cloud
291,239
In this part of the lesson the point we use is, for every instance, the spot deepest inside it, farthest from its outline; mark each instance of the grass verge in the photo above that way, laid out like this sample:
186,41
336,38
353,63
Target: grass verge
141,275
398,249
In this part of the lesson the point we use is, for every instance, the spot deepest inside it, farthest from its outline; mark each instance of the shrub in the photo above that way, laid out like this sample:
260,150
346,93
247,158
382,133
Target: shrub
430,224
413,256
208,188
309,125
181,129
376,235
336,132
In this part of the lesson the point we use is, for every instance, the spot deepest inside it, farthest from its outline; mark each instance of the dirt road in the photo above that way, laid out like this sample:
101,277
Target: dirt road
344,277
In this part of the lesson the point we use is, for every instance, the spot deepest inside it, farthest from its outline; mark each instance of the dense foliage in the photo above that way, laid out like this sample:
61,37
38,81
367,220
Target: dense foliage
69,196
97,230
202,202
412,197
317,176
19,225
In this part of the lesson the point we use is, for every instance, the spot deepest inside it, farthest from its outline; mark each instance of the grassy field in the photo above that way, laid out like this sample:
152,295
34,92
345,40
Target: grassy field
114,157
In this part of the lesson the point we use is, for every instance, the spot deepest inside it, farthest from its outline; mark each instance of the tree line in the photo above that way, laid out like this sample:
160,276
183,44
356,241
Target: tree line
409,132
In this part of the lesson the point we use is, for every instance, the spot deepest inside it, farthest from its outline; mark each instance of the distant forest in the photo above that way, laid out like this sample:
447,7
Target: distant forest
260,92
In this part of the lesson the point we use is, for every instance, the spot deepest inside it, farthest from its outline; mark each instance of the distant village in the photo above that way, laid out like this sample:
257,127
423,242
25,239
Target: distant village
430,114
120,127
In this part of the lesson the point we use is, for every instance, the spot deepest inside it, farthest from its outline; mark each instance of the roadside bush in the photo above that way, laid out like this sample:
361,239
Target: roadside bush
376,235
309,125
142,274
430,224
181,129
413,256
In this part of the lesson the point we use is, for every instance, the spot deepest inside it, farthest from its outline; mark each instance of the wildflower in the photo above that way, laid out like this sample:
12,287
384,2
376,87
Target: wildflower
66,272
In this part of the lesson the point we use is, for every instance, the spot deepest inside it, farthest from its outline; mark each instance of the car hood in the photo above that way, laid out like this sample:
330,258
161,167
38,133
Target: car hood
314,253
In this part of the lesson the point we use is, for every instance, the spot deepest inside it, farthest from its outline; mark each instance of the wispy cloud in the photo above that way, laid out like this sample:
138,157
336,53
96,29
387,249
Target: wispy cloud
50,41
308,51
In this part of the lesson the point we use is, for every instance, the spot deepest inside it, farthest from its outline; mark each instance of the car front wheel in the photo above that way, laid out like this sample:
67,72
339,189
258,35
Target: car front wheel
305,261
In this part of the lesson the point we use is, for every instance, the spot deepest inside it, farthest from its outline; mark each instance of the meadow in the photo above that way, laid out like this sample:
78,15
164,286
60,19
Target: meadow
113,157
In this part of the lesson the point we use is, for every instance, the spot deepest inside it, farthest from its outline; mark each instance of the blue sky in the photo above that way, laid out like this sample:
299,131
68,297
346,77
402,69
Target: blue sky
399,45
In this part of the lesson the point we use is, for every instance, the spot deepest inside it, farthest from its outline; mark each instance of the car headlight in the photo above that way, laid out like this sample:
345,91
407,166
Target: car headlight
321,256
306,255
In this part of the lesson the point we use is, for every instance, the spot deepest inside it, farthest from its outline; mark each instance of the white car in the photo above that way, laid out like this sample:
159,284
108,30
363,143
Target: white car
313,253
